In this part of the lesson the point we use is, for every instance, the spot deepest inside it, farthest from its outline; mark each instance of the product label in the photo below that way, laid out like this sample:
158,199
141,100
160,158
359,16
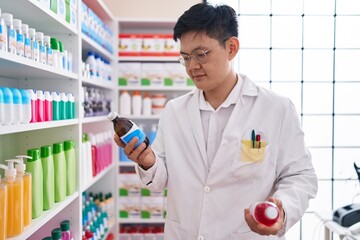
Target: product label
27,48
20,44
12,41
134,132
2,39
36,51
0,29
50,58
42,54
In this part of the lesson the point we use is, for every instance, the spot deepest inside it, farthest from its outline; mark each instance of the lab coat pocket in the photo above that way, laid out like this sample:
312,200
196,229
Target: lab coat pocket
172,229
252,153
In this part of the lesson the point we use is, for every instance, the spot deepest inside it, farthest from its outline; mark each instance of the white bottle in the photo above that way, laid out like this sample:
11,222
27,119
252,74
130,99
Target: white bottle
26,106
42,48
92,64
27,43
19,37
49,51
147,103
125,103
8,18
136,103
3,34
1,106
35,53
17,103
8,106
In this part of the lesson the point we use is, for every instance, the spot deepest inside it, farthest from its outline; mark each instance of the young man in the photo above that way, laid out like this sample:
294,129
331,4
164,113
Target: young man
225,145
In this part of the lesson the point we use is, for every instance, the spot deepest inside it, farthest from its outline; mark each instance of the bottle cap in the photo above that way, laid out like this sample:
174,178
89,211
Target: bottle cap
56,234
61,49
45,151
25,96
25,27
32,31
7,17
54,44
16,95
58,147
47,96
69,144
39,36
7,94
47,238
47,39
1,96
65,225
20,166
271,212
32,94
34,153
112,115
17,23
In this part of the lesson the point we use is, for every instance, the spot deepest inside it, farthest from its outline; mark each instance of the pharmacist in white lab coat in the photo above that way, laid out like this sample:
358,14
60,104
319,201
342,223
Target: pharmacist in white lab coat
225,145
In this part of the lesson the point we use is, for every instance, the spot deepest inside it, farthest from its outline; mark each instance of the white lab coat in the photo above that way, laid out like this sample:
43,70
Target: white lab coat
209,204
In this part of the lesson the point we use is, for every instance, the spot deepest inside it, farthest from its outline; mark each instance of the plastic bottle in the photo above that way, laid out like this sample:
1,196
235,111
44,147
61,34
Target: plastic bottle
40,100
56,52
60,171
125,103
147,104
35,51
152,133
61,59
8,106
265,212
27,182
65,230
42,49
98,66
15,206
136,102
92,63
26,106
3,34
48,111
19,37
70,107
11,40
126,129
94,150
49,51
47,163
27,43
1,106
55,105
56,234
33,99
47,238
3,210
34,167
17,105
63,106
70,156
88,160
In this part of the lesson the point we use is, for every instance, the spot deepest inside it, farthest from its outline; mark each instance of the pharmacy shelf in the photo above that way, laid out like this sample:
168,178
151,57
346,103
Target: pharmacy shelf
157,88
98,177
148,59
33,13
45,217
90,45
8,129
98,83
101,9
94,119
141,117
139,221
20,67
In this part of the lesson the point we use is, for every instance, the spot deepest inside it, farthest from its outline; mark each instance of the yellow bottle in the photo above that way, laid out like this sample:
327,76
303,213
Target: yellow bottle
15,206
27,194
3,208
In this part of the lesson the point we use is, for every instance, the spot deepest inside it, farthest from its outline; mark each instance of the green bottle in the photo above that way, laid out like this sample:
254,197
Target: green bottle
56,234
70,156
34,167
56,105
59,171
48,176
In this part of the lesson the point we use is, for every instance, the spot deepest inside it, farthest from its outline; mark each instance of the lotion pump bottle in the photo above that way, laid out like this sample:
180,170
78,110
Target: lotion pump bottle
27,182
3,210
15,206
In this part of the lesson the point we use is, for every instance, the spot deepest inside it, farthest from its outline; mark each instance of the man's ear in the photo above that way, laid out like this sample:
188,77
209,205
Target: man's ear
233,46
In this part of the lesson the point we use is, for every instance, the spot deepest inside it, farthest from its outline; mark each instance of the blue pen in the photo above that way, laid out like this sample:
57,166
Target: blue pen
253,138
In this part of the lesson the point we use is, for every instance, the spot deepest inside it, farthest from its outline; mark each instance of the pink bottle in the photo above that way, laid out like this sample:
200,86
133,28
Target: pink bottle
47,106
265,212
40,106
65,230
33,99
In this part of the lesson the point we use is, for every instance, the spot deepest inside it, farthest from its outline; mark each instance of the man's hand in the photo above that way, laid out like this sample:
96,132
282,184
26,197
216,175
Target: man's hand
144,157
263,229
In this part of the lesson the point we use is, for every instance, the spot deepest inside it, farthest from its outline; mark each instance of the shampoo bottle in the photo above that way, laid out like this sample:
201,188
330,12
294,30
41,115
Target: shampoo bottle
60,171
33,99
34,167
70,156
27,182
17,105
26,106
40,106
125,103
48,106
47,163
8,106
15,206
3,210
55,105
1,106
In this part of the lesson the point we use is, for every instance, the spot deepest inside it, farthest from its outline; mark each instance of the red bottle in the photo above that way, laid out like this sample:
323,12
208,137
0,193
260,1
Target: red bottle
265,212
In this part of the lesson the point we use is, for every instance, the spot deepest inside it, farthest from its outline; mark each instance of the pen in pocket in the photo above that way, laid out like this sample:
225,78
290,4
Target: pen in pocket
258,140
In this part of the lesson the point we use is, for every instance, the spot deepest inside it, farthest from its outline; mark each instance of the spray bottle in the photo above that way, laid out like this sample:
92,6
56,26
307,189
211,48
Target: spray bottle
15,206
27,182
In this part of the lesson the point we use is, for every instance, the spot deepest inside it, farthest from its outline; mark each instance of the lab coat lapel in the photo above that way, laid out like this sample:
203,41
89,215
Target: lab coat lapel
196,124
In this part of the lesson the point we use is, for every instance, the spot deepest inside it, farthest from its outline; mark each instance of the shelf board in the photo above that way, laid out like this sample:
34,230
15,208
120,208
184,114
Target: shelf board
18,128
98,177
148,59
157,88
47,215
90,45
151,117
99,7
19,67
99,83
37,16
132,221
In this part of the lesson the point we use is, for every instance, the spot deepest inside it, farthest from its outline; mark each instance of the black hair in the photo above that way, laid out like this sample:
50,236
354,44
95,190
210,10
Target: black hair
218,22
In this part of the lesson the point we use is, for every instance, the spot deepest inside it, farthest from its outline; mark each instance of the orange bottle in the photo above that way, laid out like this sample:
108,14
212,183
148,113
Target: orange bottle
15,206
27,193
3,208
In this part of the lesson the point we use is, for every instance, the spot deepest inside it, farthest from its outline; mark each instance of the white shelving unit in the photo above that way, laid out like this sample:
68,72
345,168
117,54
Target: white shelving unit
18,72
